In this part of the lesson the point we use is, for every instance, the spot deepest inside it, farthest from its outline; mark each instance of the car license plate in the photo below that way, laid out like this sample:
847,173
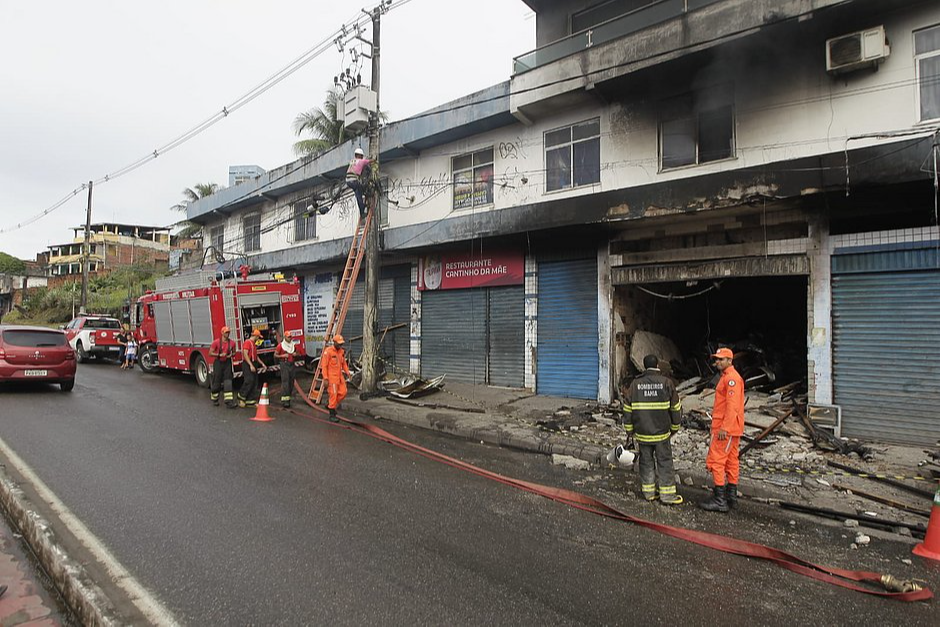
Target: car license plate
36,373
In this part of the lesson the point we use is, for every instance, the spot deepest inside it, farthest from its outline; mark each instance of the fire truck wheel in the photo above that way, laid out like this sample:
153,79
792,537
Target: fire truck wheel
201,370
148,360
81,354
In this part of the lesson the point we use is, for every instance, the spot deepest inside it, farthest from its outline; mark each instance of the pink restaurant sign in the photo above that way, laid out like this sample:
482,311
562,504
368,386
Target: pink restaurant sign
453,272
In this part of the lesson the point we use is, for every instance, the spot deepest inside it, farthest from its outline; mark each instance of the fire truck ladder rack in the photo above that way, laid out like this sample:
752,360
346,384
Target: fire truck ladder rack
343,296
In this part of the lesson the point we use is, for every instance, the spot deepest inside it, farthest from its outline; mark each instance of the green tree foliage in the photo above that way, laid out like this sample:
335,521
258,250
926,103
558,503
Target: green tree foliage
191,195
11,265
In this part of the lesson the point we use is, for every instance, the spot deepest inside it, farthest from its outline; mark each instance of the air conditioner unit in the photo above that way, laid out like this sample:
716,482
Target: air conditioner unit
856,51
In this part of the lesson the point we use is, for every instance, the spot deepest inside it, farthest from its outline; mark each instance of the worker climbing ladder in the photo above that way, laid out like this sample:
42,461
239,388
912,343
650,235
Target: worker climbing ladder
344,293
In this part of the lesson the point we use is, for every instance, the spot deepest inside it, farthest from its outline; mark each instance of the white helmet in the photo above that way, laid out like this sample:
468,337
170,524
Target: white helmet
621,456
358,152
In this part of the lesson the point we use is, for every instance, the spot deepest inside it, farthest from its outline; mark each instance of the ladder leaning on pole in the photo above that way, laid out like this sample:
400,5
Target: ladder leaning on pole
343,296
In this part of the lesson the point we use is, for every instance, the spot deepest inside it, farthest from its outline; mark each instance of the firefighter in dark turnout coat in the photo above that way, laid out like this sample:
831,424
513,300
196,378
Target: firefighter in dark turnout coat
651,413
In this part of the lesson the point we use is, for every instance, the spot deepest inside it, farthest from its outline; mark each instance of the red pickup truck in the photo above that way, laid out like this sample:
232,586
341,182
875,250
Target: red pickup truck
94,336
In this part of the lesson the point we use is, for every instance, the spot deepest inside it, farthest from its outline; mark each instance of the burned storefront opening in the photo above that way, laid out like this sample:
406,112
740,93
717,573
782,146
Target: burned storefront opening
762,319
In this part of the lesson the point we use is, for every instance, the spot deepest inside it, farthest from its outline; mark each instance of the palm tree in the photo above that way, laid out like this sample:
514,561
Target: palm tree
327,130
323,124
191,195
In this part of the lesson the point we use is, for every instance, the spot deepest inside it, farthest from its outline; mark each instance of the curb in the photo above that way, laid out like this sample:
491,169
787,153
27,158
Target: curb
85,599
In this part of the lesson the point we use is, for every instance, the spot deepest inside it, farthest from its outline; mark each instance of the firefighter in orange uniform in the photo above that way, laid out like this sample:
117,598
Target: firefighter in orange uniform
727,428
335,370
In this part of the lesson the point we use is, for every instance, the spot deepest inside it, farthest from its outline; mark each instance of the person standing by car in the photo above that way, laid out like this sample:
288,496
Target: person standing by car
122,338
130,354
220,352
251,366
285,353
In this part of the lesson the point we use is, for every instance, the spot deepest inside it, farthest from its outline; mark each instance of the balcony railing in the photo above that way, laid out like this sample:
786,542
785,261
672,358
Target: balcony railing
613,29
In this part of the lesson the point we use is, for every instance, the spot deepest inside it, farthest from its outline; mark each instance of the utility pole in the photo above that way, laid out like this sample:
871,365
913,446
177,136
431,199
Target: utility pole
86,253
370,307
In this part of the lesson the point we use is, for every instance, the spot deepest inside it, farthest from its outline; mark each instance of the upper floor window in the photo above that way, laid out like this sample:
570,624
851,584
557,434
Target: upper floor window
217,238
696,128
305,221
573,155
927,60
473,179
251,229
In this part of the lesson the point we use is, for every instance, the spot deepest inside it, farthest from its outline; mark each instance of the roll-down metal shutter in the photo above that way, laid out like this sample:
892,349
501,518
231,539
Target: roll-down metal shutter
507,336
394,305
886,347
453,335
567,329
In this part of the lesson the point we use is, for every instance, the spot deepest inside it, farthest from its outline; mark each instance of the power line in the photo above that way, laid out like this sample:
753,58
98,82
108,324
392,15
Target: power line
354,24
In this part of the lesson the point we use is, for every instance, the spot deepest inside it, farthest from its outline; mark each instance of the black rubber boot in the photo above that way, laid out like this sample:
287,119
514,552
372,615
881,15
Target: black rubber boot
333,417
718,502
731,495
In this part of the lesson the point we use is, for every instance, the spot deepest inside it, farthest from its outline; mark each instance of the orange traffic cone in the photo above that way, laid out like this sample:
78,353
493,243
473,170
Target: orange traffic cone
261,415
930,547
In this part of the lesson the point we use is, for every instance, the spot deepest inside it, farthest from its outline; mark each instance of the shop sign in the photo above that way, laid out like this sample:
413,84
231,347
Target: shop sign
453,272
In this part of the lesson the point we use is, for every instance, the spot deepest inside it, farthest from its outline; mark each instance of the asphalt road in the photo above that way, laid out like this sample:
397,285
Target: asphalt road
228,521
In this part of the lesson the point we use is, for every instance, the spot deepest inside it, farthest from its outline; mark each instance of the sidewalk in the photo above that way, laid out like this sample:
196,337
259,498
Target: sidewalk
26,600
585,430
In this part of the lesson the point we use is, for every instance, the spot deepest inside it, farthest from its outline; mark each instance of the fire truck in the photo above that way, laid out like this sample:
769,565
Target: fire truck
176,323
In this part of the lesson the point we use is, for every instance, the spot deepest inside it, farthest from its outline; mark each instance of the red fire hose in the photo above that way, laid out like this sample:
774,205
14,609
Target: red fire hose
834,576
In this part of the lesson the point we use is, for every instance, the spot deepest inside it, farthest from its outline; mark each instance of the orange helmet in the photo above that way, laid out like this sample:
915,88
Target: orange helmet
256,333
338,339
225,330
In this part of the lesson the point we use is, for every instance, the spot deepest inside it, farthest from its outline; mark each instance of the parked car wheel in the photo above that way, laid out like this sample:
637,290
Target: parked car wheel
201,370
67,385
83,356
148,360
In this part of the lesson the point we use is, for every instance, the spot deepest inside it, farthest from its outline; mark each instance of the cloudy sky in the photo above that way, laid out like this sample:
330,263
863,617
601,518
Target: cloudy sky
89,87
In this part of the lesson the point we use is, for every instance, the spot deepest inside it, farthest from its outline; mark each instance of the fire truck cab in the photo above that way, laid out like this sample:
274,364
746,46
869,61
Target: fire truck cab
176,323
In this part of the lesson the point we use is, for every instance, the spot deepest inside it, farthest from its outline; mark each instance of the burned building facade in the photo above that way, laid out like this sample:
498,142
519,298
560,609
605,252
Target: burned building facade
752,173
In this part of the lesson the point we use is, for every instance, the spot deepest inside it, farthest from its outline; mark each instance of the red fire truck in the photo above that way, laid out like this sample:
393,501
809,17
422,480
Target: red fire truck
176,323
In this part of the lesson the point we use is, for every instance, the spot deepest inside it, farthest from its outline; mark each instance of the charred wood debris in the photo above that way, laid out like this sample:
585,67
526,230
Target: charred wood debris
781,447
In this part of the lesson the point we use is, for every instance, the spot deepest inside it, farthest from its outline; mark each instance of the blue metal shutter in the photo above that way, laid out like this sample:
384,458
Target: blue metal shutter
886,349
506,336
567,363
453,335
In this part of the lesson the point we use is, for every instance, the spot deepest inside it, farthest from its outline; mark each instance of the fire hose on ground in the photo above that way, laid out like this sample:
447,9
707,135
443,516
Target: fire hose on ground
897,590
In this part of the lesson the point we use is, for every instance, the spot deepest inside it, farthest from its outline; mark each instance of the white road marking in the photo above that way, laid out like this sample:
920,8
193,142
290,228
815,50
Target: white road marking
148,605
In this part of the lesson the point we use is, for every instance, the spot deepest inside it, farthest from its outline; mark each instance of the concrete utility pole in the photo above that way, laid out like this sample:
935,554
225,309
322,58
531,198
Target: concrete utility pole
370,308
86,253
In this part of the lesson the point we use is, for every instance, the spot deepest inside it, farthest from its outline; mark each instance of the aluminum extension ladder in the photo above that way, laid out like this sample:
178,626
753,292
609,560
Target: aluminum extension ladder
343,296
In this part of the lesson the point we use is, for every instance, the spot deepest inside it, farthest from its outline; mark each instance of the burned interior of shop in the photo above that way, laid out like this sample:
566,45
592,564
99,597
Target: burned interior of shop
763,319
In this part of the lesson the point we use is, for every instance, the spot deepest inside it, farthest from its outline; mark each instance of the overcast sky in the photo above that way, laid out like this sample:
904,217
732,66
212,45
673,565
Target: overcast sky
89,87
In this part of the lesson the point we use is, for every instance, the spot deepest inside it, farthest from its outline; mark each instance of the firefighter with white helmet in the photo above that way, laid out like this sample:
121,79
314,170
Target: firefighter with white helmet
357,175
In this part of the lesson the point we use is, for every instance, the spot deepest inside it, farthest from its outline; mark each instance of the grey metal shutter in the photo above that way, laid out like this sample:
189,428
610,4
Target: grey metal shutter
202,321
567,363
886,352
453,335
401,338
507,336
182,331
161,311
352,327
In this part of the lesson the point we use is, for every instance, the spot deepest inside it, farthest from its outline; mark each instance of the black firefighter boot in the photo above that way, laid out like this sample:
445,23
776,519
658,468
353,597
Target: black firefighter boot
718,502
333,417
731,495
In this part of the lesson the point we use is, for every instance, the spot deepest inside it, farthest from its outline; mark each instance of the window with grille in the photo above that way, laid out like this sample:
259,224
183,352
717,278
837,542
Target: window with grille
305,221
927,62
573,156
473,179
251,228
217,238
696,128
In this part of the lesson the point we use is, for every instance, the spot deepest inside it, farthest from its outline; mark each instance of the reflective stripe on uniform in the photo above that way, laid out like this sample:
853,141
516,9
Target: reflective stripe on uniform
677,406
674,427
667,489
651,439
627,409
628,428
657,405
214,396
